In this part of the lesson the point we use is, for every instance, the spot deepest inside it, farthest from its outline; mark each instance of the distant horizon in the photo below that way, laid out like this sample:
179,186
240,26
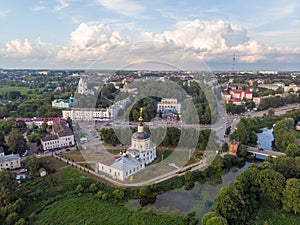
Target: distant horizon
111,70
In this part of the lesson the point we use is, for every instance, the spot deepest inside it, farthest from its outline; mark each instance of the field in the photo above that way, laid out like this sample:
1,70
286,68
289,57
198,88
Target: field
74,156
268,122
270,216
87,209
23,90
61,204
52,162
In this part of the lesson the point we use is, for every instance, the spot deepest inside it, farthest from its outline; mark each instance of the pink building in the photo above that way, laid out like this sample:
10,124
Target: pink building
240,94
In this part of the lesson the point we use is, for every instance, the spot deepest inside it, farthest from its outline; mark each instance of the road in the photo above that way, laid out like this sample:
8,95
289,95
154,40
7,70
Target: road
278,111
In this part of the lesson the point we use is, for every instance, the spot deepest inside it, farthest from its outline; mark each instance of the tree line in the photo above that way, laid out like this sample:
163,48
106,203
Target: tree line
275,182
169,137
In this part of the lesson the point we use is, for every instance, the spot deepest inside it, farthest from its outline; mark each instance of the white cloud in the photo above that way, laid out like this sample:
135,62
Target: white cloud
88,42
185,46
35,51
123,7
38,8
16,48
62,4
3,13
217,41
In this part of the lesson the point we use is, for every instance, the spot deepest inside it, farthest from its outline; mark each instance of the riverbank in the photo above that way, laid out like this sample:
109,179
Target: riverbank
181,201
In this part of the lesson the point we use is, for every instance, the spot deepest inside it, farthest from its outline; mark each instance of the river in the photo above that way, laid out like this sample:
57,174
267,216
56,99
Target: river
264,140
180,201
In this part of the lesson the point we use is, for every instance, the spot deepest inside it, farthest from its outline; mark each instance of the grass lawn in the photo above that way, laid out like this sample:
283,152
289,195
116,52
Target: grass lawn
162,151
23,90
52,162
61,205
297,134
268,122
267,215
88,209
75,156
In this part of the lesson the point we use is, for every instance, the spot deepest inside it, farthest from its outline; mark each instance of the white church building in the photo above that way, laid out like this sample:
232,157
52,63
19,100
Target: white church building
82,88
141,152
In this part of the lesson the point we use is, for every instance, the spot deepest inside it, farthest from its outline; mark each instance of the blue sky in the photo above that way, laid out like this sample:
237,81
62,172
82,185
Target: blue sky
71,33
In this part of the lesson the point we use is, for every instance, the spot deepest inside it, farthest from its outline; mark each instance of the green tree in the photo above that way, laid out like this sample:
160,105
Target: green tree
10,206
250,183
31,163
225,147
208,216
217,221
79,188
93,188
286,166
8,186
2,138
231,203
271,186
283,133
3,111
104,196
189,180
227,131
242,151
44,126
99,194
293,150
217,163
16,142
144,191
69,122
21,221
11,218
271,112
118,194
291,196
242,133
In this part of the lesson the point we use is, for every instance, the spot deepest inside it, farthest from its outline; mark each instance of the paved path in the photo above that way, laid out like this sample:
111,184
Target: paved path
178,172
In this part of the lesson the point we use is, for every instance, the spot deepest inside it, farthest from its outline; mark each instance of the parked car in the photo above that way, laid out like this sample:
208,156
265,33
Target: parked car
23,170
25,153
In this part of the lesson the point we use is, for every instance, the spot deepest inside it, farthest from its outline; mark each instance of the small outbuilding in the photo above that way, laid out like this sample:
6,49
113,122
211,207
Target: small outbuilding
42,172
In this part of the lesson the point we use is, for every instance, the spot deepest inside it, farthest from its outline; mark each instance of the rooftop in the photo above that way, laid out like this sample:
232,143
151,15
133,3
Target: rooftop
9,158
49,138
125,163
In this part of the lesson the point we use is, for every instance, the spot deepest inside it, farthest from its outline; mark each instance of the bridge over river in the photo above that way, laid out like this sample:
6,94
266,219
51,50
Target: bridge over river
257,151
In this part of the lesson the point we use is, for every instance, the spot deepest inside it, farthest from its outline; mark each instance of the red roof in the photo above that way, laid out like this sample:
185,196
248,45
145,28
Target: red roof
237,91
235,100
42,170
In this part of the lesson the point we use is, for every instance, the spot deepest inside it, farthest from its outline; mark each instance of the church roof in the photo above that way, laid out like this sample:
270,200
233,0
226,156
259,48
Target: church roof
125,163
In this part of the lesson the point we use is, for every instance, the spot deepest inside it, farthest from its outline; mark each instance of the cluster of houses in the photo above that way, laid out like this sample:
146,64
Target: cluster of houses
38,121
236,96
